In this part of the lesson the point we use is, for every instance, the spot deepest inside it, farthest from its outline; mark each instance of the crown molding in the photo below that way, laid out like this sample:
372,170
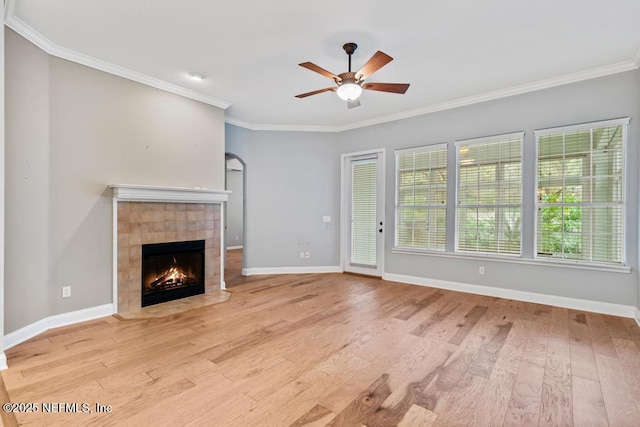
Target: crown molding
592,73
286,128
43,43
54,50
501,93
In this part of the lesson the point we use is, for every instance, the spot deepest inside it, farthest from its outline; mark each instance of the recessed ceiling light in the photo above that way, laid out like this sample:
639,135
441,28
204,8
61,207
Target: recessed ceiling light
197,76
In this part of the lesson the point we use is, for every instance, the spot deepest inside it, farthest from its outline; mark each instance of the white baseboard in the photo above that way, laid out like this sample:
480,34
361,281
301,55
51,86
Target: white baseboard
3,361
231,248
291,270
64,319
638,316
558,301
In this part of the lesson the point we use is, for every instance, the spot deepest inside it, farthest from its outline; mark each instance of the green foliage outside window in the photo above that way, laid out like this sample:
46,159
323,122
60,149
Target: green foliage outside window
561,226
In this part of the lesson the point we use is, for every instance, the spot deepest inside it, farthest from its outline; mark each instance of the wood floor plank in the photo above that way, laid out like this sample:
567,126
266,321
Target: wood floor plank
524,407
417,416
618,400
488,352
407,380
365,404
435,318
466,325
418,306
600,337
582,361
317,416
460,404
514,346
558,345
629,356
588,404
7,419
556,404
494,400
536,350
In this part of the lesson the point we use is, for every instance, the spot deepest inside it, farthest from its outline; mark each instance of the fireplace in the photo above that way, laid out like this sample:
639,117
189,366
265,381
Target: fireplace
172,271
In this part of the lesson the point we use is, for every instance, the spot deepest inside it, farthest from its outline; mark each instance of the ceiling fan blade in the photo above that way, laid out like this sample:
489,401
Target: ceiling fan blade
315,92
377,61
353,103
387,87
313,67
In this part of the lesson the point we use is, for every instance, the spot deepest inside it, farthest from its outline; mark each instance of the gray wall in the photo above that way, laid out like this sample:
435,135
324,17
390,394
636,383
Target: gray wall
598,99
235,230
72,131
27,183
292,181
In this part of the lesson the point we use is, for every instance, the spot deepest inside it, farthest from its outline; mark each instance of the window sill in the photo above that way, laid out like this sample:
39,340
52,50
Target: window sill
517,260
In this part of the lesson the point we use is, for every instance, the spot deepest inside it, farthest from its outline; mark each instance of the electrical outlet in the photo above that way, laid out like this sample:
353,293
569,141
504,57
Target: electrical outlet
66,291
301,255
307,255
481,269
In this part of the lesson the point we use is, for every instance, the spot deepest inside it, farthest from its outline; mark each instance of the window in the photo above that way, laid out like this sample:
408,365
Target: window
490,195
580,192
421,198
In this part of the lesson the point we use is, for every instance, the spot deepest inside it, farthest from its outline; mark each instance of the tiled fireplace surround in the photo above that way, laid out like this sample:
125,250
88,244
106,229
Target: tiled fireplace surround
144,215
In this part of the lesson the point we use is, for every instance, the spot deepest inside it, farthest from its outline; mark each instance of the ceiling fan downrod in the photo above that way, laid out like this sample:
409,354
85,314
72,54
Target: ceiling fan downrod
350,48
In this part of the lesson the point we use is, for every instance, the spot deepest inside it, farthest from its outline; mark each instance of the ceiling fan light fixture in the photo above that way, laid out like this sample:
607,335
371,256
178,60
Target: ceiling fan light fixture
349,91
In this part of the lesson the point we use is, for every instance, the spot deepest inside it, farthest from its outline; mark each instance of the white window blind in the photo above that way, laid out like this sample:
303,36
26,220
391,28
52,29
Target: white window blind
580,192
421,198
363,212
490,195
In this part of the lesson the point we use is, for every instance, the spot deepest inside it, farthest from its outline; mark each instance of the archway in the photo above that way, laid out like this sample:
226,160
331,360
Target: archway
235,240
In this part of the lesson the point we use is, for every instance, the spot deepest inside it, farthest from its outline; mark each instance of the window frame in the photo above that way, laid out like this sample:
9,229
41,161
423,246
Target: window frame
486,139
439,146
624,122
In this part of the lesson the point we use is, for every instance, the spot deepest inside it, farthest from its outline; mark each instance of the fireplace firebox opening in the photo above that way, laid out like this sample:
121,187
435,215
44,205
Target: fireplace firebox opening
172,271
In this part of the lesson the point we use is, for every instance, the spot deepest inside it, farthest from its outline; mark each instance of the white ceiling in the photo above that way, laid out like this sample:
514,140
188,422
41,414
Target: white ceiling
452,52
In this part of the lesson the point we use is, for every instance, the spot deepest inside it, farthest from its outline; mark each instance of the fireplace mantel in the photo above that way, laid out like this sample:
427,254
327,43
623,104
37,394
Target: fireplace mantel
147,193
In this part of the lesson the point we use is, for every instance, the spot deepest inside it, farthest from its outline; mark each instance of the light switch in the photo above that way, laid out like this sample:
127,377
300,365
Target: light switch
326,218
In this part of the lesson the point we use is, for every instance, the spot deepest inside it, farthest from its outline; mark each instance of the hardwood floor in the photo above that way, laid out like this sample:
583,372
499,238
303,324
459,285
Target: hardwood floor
233,268
338,350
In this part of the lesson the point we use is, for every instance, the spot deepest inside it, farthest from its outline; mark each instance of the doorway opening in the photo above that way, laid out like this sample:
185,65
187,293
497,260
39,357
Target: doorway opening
235,219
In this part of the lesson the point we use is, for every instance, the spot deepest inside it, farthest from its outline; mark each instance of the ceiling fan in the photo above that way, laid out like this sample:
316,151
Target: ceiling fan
349,84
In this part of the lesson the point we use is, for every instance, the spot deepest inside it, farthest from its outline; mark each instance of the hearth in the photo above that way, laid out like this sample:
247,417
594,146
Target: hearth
172,271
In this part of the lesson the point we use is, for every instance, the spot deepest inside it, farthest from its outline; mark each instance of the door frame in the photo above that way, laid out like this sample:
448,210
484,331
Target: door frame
345,239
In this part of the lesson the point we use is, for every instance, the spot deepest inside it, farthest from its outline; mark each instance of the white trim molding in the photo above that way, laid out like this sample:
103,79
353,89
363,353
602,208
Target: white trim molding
56,321
148,193
638,316
291,270
553,300
3,361
52,49
233,248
